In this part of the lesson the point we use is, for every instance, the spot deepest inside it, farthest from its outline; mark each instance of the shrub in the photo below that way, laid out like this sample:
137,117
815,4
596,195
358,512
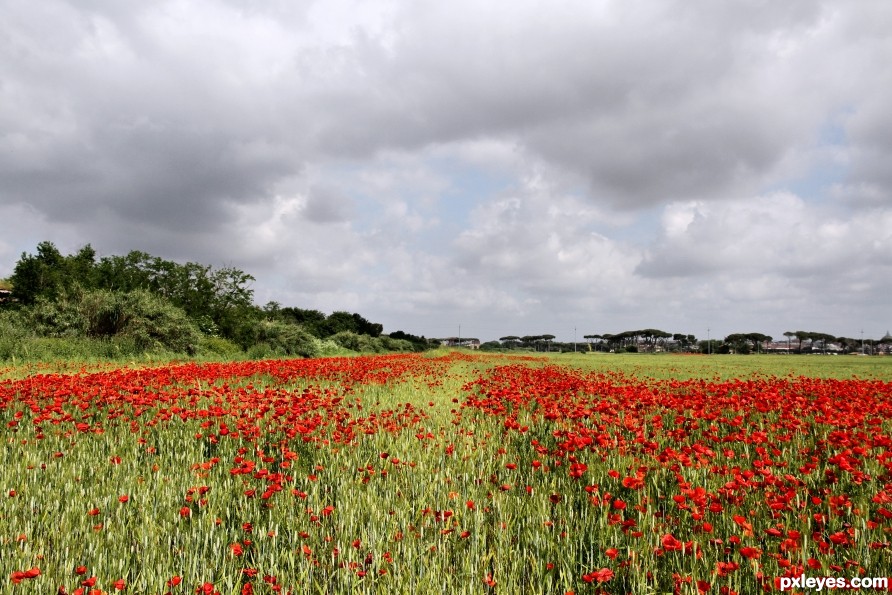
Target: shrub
283,338
210,345
328,348
390,344
13,334
260,351
148,322
359,343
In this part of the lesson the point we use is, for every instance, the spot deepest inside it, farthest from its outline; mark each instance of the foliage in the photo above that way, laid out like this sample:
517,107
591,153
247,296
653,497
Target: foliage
224,295
389,343
356,342
419,343
283,339
210,345
338,322
711,346
13,334
491,346
47,274
312,320
139,300
149,322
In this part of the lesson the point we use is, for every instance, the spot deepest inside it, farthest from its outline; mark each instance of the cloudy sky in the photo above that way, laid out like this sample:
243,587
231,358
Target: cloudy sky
521,167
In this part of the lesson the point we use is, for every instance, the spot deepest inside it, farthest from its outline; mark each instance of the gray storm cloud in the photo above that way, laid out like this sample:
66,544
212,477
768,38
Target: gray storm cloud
376,144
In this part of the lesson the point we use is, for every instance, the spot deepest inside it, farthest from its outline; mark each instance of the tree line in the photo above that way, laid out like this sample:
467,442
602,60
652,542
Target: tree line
139,302
656,340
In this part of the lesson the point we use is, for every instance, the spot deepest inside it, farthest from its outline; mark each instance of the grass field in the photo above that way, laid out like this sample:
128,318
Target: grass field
452,472
732,366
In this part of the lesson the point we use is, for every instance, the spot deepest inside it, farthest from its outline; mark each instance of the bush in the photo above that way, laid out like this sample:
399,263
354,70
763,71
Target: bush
390,344
261,351
218,346
13,334
328,348
282,338
148,322
359,343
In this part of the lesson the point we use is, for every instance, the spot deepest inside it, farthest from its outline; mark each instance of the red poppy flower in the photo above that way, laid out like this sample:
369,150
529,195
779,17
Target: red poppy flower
633,483
670,543
598,576
19,575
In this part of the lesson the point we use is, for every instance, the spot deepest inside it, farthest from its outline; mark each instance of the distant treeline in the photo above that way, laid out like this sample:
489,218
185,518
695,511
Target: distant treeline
655,340
55,305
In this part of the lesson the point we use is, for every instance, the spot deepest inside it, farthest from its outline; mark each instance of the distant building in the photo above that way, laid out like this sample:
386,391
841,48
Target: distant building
469,342
885,345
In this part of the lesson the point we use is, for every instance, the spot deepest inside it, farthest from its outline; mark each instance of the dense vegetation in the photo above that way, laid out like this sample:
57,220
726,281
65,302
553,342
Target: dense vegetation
119,306
455,473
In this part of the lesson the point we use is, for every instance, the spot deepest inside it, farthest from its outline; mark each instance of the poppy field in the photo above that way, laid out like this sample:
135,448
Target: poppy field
452,473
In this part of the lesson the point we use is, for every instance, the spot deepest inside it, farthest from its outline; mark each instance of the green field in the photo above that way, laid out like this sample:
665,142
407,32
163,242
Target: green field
666,365
445,472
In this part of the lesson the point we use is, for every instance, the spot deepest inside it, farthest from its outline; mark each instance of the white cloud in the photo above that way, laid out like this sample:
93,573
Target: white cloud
640,164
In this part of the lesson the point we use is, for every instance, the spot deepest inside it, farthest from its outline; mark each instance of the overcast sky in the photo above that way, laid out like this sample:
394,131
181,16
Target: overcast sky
506,168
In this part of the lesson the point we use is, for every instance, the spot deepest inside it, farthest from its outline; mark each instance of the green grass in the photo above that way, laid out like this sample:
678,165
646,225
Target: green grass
681,367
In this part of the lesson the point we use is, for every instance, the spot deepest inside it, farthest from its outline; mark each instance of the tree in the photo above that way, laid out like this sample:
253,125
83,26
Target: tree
684,341
758,339
738,342
418,343
341,321
591,340
801,336
789,335
710,346
312,320
39,276
510,341
530,341
548,339
658,337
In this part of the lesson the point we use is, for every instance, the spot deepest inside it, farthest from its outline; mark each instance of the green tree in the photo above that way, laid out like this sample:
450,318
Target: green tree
509,341
547,339
758,340
341,321
224,296
312,320
48,273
